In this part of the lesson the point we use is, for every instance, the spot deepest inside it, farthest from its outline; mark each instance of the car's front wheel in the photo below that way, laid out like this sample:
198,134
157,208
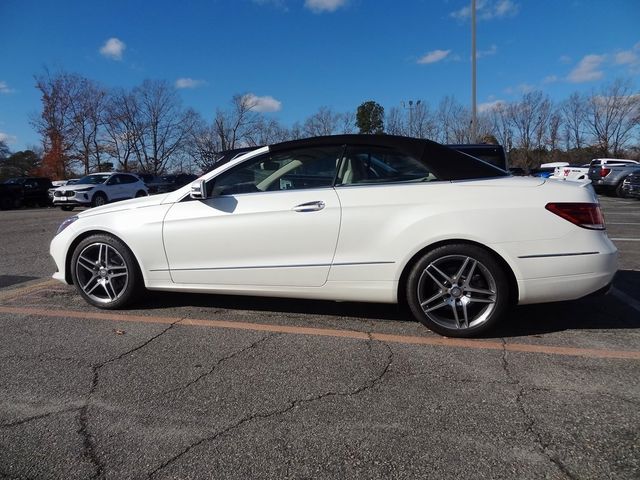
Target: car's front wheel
98,200
105,272
457,290
67,208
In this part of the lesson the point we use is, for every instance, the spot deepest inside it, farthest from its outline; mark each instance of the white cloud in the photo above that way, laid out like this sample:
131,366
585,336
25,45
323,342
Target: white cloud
186,82
550,79
319,6
628,57
488,10
489,106
433,56
588,69
564,59
113,49
4,88
520,89
261,104
492,50
8,139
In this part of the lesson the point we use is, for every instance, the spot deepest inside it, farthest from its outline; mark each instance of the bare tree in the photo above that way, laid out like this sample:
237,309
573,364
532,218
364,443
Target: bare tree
553,132
529,118
574,111
500,125
55,123
235,126
4,150
454,121
203,145
265,132
395,122
611,115
324,122
88,104
347,122
121,128
159,125
419,121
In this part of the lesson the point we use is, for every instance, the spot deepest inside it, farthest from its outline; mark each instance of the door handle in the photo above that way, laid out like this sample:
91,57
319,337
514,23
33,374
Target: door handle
309,206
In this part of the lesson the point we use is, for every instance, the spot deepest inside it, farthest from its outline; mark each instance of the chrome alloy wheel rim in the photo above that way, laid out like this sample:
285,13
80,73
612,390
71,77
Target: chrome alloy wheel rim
102,272
457,291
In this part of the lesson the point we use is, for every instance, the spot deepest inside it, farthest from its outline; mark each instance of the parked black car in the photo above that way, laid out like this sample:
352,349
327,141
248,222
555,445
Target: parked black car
631,185
35,190
10,196
169,183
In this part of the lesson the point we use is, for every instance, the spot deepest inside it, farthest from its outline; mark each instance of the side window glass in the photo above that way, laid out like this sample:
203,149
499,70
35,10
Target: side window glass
127,179
292,170
365,165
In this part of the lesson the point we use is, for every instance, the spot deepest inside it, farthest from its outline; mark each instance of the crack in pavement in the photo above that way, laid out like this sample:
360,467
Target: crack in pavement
88,441
530,421
281,411
217,364
39,416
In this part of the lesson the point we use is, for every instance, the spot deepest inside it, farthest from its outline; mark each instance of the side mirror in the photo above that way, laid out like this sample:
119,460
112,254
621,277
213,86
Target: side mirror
198,190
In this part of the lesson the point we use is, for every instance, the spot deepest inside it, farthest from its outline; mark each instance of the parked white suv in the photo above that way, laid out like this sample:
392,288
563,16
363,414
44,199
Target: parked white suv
98,189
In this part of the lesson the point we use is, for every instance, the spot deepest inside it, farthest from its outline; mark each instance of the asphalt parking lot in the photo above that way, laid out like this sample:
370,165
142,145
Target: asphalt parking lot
205,386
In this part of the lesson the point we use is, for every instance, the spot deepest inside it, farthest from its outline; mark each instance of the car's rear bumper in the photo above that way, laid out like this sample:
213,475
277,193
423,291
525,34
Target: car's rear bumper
588,275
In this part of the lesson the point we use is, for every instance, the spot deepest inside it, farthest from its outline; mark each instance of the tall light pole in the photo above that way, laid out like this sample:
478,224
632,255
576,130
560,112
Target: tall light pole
474,112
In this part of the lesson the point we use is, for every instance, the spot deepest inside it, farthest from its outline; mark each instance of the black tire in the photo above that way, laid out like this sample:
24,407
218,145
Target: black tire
98,200
454,283
67,208
97,268
141,193
619,192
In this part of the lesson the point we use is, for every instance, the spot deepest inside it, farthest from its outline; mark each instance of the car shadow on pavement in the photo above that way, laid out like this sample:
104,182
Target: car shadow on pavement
372,311
593,313
605,312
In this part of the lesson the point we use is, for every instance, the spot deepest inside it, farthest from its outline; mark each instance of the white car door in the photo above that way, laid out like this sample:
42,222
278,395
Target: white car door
130,186
115,188
272,221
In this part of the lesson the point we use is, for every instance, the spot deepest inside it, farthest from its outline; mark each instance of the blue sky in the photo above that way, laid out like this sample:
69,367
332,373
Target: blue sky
299,55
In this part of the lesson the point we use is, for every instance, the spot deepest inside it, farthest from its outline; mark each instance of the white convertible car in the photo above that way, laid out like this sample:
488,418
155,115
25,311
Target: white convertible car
351,218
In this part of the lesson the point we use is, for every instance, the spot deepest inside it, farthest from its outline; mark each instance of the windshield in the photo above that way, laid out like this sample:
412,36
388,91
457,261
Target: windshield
15,181
93,179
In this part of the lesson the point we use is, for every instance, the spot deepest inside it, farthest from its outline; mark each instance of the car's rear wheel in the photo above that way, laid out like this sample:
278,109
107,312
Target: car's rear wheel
457,290
105,272
98,200
141,193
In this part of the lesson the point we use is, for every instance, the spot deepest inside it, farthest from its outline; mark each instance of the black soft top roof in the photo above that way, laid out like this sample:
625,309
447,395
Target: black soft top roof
444,162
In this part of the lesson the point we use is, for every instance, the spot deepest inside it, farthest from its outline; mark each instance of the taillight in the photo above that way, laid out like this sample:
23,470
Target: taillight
604,172
585,215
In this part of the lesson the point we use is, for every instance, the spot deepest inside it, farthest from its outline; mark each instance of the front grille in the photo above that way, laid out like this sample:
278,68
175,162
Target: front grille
64,193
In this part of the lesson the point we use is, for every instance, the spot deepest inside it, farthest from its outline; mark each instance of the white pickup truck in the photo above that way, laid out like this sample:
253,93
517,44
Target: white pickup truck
573,173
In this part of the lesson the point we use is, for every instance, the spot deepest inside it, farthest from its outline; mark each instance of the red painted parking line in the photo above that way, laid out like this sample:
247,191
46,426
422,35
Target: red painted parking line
327,332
